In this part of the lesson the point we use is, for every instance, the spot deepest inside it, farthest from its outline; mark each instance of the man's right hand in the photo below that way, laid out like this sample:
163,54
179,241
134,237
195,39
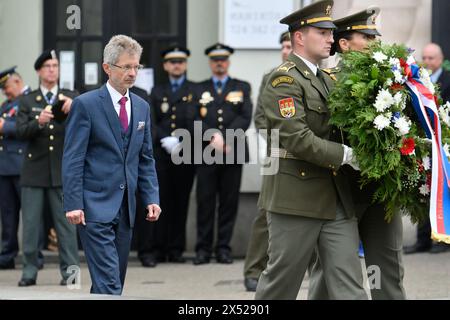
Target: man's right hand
75,217
45,117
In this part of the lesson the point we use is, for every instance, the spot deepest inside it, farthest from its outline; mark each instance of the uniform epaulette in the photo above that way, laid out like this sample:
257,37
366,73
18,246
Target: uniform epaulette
288,65
331,72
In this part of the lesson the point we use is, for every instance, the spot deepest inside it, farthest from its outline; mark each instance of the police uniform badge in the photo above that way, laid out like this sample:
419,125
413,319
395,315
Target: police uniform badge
38,98
235,97
206,98
164,105
287,107
61,96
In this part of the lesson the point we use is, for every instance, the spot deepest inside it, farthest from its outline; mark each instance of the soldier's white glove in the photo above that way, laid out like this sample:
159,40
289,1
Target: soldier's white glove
169,144
349,158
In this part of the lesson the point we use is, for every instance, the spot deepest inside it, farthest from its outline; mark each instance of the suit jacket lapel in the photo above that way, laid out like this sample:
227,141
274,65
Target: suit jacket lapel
308,74
111,115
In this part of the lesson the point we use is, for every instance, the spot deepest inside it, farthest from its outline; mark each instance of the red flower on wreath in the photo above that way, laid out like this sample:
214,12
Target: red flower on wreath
397,87
408,147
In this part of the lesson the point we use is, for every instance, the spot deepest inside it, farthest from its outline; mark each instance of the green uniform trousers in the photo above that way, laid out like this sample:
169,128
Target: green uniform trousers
292,241
32,220
382,242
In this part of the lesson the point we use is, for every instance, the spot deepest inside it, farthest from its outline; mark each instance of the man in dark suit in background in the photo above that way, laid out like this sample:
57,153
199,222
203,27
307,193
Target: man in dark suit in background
225,103
433,59
172,105
108,156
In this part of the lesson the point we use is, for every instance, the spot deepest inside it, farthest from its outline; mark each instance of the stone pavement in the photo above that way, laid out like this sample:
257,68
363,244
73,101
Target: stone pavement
427,276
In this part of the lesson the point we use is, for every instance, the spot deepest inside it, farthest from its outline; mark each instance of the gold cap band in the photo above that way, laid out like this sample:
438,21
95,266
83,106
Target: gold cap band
362,27
314,20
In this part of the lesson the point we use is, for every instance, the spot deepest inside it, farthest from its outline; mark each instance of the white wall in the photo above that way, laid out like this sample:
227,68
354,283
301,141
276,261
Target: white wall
21,36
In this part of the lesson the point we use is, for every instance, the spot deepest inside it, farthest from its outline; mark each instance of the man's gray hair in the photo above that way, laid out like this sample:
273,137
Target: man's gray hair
118,45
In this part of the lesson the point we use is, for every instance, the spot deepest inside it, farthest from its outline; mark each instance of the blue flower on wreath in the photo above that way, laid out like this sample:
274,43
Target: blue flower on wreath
395,116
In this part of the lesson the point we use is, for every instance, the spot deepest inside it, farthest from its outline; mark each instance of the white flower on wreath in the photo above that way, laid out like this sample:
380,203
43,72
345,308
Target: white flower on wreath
384,100
403,124
444,113
425,78
394,62
388,82
379,56
398,98
426,162
381,122
398,77
424,190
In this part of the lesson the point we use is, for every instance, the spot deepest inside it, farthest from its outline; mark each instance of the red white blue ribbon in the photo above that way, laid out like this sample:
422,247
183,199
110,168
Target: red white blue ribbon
426,107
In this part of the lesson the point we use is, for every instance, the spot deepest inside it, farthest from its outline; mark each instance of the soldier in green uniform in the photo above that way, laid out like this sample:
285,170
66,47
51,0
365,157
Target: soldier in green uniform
382,240
41,122
256,257
308,200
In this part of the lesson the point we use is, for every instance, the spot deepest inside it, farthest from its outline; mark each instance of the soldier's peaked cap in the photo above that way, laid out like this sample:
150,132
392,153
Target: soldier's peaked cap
363,21
316,15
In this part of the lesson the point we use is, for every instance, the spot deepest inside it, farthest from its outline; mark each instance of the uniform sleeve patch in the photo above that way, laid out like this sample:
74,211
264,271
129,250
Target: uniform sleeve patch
282,79
287,107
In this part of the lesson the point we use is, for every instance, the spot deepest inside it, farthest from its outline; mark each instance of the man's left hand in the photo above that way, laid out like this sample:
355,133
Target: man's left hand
153,212
67,104
2,122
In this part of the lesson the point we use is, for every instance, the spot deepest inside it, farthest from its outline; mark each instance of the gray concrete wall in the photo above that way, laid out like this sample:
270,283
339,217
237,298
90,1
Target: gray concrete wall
21,36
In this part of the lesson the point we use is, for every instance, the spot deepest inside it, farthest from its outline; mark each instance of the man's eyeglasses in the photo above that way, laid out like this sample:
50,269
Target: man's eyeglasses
128,68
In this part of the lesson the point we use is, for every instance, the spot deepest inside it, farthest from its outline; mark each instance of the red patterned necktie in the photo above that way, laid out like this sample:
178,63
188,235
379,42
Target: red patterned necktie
123,116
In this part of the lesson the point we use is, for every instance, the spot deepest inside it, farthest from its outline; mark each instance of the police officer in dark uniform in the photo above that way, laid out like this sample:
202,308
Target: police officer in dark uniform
11,157
224,104
41,122
173,104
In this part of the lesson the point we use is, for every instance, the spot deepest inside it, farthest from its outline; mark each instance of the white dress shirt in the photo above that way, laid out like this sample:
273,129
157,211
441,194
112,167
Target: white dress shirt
53,90
116,96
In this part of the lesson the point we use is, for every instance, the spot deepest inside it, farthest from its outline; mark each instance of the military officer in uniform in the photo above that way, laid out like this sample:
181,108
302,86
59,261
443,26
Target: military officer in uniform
41,122
173,104
224,104
256,257
382,240
11,157
308,200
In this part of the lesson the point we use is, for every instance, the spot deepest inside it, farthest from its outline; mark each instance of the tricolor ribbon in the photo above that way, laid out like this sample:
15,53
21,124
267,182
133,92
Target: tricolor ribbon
426,106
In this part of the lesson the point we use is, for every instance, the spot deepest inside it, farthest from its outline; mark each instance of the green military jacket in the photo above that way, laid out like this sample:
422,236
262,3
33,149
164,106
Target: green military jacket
43,157
310,182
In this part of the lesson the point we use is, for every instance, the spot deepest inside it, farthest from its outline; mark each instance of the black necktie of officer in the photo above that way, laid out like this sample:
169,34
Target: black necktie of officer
49,96
175,87
219,87
322,80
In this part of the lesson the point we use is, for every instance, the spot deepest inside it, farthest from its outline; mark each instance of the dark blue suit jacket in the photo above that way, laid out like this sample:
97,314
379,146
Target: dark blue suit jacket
11,149
94,170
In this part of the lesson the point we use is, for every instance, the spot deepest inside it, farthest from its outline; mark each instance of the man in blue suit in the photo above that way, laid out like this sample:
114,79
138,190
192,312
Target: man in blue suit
107,157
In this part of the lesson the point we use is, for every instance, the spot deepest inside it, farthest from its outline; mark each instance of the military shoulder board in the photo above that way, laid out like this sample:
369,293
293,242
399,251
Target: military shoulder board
288,65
